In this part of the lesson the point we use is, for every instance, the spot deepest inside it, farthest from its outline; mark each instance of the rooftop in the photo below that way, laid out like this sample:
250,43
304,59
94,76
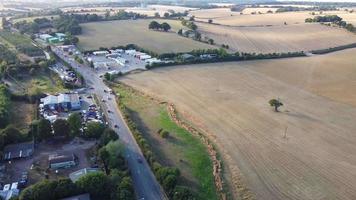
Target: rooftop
19,150
61,158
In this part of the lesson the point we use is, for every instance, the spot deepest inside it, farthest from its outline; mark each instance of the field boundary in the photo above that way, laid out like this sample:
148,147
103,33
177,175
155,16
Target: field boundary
334,49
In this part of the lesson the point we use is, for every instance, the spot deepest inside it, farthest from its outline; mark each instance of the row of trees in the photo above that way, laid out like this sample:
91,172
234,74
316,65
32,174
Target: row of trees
157,26
218,55
98,185
42,129
326,18
332,19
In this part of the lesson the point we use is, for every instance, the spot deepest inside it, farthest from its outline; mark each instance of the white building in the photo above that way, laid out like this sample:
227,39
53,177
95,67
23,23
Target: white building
100,53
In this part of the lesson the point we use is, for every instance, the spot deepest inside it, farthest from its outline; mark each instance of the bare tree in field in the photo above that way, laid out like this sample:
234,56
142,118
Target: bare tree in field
276,104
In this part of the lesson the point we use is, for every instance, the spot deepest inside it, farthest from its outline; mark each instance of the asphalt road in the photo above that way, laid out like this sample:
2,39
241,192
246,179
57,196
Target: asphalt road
145,183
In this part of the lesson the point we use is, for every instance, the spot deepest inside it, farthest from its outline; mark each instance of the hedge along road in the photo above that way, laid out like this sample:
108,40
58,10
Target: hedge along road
145,183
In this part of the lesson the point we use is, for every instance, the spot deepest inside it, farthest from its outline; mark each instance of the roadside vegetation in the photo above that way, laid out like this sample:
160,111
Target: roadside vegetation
178,159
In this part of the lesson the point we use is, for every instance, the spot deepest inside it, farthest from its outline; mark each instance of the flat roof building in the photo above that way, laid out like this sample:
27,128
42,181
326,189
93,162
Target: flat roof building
19,150
62,161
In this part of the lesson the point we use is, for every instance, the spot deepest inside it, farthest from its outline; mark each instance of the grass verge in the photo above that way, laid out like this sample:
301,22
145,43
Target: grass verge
180,149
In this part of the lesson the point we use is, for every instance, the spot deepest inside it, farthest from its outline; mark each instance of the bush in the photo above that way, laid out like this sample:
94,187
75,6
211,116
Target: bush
164,134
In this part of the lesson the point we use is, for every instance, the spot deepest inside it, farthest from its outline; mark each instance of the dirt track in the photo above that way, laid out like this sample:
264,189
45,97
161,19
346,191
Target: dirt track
317,158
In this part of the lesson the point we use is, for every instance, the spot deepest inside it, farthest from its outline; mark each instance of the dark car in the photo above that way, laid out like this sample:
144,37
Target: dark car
116,126
139,160
23,180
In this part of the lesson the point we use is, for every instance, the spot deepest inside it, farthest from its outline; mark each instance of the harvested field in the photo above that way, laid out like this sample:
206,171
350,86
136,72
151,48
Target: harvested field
114,33
290,38
315,160
161,9
258,10
225,17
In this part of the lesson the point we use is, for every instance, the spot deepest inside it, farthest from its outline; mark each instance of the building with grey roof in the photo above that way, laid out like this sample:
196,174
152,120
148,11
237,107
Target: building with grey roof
19,150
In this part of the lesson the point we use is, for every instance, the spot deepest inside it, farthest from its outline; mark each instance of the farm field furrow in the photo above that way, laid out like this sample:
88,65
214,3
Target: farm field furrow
289,38
115,33
315,158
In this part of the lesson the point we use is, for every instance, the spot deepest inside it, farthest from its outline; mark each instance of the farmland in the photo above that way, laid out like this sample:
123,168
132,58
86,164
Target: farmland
300,37
114,33
306,151
225,17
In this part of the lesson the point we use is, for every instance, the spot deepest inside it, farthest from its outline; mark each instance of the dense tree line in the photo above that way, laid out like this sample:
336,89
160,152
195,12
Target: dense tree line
218,55
33,27
99,185
334,19
4,106
326,18
68,23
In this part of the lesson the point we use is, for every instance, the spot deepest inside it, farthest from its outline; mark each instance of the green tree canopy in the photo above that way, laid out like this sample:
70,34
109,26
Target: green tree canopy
94,130
97,184
108,135
61,128
75,124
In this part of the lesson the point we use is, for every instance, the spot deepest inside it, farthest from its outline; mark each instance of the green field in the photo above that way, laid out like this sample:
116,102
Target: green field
181,149
123,32
40,82
15,38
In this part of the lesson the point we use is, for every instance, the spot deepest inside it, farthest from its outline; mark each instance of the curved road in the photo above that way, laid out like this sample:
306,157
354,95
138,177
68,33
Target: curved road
145,183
